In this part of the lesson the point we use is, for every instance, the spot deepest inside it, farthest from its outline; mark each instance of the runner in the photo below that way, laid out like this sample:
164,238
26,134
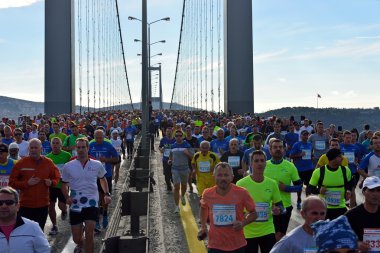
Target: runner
165,148
364,219
370,165
116,143
129,134
203,164
323,160
320,142
18,234
178,159
59,158
300,239
333,183
301,154
81,175
104,152
285,174
224,205
264,191
69,143
234,158
32,176
6,165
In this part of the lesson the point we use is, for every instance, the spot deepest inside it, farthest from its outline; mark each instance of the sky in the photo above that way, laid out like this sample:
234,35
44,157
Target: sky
301,48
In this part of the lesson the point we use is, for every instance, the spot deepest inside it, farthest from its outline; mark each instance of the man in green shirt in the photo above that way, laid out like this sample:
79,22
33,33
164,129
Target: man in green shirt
59,158
285,174
264,191
57,133
69,143
333,182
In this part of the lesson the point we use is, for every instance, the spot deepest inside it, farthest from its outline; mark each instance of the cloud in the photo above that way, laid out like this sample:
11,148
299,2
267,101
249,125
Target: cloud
4,4
342,48
266,57
347,94
368,37
282,79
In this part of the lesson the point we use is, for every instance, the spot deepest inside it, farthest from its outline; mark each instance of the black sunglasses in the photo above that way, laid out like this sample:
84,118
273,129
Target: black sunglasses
8,202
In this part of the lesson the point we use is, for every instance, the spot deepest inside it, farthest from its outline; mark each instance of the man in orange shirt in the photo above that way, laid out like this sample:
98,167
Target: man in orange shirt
33,175
225,204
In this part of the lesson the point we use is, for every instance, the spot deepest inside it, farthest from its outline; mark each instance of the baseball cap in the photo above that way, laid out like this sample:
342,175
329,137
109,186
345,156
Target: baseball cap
304,132
371,182
13,145
3,147
333,153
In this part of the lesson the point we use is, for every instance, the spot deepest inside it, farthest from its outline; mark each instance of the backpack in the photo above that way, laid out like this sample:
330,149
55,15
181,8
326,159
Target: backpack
322,177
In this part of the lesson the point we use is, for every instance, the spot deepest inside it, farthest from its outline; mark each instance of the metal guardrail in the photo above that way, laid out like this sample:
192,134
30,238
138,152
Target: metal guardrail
133,203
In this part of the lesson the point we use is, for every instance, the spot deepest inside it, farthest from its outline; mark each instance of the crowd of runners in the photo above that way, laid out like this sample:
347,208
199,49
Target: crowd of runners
243,168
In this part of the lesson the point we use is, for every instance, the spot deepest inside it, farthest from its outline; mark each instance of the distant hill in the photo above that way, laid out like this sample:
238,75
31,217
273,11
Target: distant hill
347,118
13,107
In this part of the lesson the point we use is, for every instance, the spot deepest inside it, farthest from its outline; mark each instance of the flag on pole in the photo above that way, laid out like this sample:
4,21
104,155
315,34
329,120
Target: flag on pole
319,96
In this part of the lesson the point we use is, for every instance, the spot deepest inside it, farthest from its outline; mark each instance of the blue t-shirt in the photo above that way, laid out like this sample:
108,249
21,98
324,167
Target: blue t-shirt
7,141
130,132
303,163
106,150
290,140
351,152
166,143
219,146
46,147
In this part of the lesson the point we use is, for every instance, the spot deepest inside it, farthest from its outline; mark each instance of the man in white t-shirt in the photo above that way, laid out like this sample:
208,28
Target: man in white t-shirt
22,144
81,175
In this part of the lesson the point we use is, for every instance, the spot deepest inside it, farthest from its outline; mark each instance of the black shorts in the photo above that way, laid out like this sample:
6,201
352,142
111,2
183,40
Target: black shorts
109,181
86,214
281,222
305,176
56,193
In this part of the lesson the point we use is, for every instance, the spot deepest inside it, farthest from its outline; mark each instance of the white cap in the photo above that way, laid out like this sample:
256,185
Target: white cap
13,145
93,123
371,182
115,132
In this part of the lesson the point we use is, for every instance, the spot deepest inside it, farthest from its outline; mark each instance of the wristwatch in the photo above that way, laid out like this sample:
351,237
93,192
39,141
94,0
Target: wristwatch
107,194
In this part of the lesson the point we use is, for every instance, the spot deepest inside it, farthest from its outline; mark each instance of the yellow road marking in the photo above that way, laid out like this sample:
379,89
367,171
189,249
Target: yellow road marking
191,230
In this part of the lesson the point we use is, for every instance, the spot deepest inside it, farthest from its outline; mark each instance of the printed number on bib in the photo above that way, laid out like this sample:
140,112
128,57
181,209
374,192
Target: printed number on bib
320,145
224,215
372,237
262,211
350,156
307,155
166,152
234,161
204,167
333,198
129,136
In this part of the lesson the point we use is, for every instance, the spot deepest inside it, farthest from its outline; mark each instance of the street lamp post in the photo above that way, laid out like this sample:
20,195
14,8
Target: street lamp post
149,44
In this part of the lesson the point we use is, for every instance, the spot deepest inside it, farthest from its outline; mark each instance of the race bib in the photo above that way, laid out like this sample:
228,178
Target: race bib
320,145
350,156
333,198
118,149
223,215
310,250
166,152
60,167
74,152
234,161
129,136
262,211
372,237
307,155
156,120
204,167
4,180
